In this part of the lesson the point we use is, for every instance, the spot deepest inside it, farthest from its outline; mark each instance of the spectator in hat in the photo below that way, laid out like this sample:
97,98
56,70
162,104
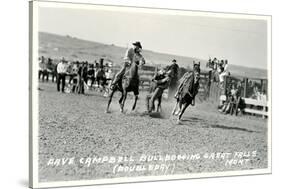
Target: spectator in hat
43,71
100,76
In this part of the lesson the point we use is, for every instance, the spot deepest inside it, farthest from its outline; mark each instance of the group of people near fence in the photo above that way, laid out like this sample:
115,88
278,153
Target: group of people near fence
232,103
256,91
218,69
46,68
80,73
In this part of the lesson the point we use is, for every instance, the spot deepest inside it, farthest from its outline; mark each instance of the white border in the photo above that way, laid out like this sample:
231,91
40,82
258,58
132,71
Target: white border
34,122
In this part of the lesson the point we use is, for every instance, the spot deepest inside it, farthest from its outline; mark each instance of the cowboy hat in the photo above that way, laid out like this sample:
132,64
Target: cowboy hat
137,44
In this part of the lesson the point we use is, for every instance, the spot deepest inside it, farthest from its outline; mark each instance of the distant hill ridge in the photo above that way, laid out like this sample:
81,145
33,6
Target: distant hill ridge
72,48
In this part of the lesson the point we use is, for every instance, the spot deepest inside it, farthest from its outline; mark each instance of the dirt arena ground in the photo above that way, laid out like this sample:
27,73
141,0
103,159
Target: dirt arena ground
72,125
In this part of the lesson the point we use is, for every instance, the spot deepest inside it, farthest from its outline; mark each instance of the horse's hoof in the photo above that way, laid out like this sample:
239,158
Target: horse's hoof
106,111
178,122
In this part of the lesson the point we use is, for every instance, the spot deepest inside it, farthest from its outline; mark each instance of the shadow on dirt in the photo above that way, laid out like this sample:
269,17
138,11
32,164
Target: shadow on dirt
91,94
192,119
155,115
158,115
231,128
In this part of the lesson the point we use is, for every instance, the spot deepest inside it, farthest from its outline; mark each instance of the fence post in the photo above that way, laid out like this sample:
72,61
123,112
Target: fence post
264,109
225,84
262,85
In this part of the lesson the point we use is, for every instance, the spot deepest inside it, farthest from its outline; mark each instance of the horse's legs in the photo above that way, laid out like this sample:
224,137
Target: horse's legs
124,95
121,98
109,101
175,108
185,105
159,104
179,108
135,103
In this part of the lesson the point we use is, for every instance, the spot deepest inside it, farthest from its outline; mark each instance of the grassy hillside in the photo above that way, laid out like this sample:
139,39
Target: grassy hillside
57,46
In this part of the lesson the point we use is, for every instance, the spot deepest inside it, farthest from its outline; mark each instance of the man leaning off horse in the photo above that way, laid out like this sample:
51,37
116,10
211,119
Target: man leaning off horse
130,56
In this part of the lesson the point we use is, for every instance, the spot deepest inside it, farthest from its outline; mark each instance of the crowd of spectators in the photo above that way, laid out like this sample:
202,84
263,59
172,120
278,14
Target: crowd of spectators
80,74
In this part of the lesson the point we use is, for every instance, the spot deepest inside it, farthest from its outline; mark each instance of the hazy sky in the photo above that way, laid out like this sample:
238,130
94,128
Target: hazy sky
241,41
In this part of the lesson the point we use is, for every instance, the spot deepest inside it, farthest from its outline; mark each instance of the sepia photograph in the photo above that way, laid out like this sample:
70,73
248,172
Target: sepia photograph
130,94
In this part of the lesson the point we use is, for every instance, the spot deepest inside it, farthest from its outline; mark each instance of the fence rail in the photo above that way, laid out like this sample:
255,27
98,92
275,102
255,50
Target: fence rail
258,107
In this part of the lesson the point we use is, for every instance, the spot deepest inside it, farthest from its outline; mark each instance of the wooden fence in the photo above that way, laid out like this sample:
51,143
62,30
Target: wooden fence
256,107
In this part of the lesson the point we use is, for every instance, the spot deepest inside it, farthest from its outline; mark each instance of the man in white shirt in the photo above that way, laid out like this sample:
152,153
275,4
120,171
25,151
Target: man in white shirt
62,71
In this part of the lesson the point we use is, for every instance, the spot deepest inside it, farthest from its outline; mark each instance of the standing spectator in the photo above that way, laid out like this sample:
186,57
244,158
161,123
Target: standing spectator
226,66
74,73
49,67
221,73
80,82
85,72
101,77
91,74
41,65
263,96
62,71
215,63
55,72
43,69
256,93
214,74
73,68
81,78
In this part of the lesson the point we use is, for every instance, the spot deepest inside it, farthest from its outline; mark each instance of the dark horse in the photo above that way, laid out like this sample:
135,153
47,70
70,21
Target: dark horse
129,82
187,91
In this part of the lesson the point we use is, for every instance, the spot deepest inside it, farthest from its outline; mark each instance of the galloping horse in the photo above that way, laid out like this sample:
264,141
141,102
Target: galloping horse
129,82
187,91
